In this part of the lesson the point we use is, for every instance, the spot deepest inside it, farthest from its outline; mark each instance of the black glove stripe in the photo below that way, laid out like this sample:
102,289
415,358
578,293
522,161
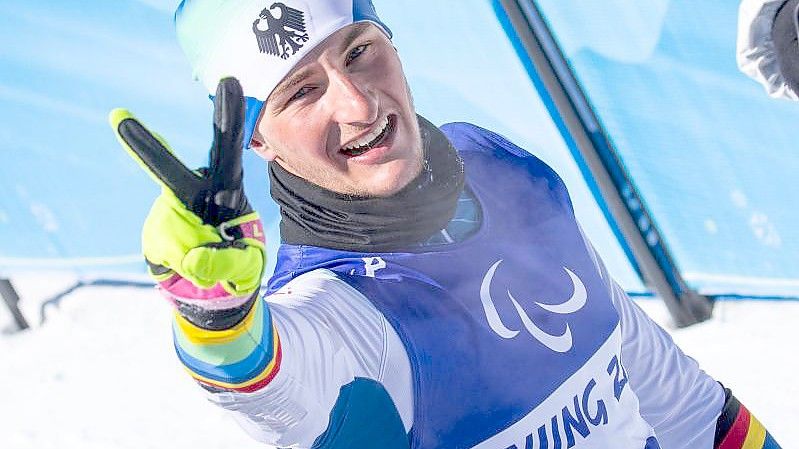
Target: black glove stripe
160,161
225,160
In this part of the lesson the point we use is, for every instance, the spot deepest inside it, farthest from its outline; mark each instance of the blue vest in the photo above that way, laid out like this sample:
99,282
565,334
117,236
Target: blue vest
495,324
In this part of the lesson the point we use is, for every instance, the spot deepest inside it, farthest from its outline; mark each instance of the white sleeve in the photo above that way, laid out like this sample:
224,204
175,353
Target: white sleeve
756,54
676,397
679,400
330,334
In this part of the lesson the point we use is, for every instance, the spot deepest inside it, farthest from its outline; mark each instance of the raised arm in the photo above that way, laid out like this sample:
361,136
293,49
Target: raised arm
291,368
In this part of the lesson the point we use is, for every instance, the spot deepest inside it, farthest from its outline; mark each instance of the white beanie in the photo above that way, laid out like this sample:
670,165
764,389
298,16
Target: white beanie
259,41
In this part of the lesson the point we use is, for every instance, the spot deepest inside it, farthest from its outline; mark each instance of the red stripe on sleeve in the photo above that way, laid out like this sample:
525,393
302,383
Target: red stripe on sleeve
258,385
736,436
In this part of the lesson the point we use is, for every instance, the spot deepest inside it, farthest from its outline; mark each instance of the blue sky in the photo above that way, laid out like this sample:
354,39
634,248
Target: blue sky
70,191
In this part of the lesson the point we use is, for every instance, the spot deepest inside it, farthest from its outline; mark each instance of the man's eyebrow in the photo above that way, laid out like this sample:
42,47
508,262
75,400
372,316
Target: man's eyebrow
353,34
298,78
291,82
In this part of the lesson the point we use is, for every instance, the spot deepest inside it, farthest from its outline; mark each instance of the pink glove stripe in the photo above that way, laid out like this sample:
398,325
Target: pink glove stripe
252,229
176,288
182,288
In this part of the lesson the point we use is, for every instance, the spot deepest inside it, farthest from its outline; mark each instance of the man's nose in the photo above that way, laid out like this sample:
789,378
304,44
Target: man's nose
350,101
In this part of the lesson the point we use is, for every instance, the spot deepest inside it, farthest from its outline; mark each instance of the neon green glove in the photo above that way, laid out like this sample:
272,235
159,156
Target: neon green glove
201,239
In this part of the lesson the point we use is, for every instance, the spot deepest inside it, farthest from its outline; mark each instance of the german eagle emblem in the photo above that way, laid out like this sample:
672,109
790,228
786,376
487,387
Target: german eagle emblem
284,35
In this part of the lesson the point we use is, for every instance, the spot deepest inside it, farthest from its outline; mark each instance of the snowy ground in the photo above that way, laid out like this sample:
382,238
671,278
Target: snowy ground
100,372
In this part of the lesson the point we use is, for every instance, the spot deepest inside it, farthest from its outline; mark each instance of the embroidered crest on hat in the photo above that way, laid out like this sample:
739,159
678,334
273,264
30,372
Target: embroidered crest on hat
285,34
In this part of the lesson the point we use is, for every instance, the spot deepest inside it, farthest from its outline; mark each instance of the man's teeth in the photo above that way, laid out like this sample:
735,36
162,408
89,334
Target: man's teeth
369,139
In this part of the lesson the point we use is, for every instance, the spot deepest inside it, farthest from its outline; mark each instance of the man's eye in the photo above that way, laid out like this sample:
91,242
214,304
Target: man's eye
356,52
300,93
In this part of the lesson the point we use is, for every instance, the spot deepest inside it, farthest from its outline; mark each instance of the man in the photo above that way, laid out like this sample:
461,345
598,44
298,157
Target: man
399,314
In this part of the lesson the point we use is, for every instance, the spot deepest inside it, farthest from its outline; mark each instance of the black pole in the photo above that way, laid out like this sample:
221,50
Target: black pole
11,299
652,257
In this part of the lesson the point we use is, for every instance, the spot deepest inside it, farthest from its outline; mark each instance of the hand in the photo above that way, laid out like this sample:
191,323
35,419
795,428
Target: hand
201,239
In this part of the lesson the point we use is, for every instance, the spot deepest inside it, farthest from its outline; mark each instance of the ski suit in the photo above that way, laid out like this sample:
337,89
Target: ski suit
514,338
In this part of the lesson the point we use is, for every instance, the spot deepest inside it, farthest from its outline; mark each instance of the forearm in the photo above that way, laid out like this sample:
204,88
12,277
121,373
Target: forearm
228,353
235,361
679,399
687,408
325,336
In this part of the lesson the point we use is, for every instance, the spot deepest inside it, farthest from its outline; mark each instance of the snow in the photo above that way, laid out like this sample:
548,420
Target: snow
100,372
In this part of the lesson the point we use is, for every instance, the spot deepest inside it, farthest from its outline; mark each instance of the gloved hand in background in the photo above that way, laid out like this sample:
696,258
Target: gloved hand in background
768,47
202,241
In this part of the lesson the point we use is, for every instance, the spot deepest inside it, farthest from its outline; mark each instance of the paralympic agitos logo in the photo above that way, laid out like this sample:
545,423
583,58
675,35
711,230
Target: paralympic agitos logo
558,343
284,34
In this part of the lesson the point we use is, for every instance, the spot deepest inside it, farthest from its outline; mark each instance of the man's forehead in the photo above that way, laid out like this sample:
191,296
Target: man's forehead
337,42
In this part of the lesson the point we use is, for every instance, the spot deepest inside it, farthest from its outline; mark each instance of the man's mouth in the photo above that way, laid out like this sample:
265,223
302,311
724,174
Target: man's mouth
371,140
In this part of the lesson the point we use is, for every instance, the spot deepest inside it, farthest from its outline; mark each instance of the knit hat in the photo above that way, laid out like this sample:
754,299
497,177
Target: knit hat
259,41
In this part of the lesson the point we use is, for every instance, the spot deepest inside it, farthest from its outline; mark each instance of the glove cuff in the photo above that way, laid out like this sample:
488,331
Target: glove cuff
216,320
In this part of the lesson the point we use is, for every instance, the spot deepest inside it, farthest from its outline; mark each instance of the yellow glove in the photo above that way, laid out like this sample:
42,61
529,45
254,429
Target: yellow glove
201,239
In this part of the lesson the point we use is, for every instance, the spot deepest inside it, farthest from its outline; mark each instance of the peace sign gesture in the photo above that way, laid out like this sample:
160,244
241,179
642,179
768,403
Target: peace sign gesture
202,228
214,194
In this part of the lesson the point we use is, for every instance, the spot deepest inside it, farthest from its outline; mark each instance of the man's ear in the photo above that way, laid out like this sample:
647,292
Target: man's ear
258,145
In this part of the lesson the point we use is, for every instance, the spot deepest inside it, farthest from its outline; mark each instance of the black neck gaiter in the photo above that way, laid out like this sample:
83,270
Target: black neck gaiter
312,215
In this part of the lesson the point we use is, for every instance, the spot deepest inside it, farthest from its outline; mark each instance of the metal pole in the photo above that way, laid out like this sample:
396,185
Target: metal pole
651,256
11,299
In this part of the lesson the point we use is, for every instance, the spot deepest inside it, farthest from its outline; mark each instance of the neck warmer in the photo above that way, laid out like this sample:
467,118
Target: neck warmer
312,215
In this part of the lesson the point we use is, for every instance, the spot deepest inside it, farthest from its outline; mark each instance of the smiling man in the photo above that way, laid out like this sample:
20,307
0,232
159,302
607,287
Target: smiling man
433,288
344,119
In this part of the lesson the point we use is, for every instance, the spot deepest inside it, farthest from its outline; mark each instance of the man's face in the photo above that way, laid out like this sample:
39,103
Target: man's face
343,119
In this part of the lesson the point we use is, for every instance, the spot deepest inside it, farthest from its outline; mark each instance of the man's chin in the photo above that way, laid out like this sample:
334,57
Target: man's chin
397,174
393,181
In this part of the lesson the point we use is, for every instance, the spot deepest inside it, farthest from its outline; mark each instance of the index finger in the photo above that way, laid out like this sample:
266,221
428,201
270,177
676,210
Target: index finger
225,158
154,156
